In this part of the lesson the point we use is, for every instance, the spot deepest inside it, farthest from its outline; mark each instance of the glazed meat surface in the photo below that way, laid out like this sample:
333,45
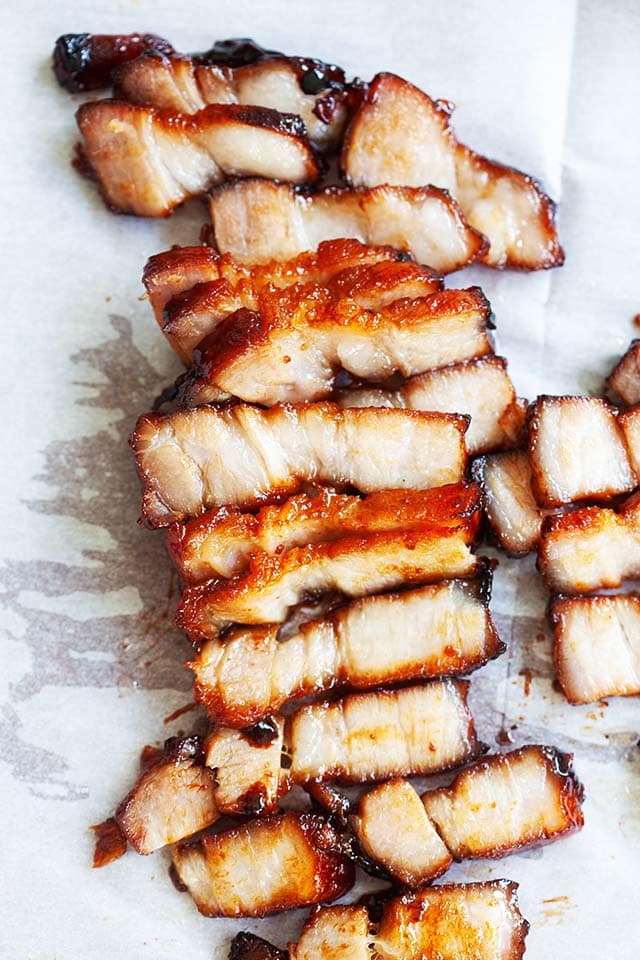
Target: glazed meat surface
247,772
624,379
192,461
85,61
148,161
597,646
334,933
401,136
513,514
434,631
256,221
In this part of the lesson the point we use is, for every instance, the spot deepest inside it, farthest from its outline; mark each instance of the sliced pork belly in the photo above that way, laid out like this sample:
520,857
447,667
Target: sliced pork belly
480,388
624,379
401,136
148,161
220,543
192,461
597,646
374,736
256,221
629,421
291,349
514,516
507,802
393,829
354,566
173,799
472,921
264,866
591,549
85,61
247,770
577,451
440,630
341,933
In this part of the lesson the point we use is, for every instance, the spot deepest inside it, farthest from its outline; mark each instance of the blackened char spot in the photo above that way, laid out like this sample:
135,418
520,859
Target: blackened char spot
262,733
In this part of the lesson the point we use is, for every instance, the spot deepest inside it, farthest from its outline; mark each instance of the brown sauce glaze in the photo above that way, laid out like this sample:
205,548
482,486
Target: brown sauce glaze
111,843
85,61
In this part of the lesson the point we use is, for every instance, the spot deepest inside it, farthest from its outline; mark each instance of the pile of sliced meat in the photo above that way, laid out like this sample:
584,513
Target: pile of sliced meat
324,471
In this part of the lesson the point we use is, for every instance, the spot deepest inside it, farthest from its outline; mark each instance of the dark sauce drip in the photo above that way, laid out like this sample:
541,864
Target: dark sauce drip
262,733
85,61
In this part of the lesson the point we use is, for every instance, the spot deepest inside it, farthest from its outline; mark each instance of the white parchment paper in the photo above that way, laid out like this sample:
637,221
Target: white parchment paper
91,663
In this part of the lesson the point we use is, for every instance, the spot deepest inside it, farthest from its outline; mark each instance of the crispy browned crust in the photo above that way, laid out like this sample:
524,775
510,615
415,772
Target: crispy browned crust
246,946
111,843
86,61
624,379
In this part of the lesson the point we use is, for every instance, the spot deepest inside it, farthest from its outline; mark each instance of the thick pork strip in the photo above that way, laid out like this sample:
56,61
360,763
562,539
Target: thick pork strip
514,516
247,767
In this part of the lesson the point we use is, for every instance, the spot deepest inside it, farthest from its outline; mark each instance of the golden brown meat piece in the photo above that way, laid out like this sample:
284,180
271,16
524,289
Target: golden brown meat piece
246,764
399,135
149,161
264,866
221,542
597,646
513,514
440,630
192,461
577,451
256,221
624,379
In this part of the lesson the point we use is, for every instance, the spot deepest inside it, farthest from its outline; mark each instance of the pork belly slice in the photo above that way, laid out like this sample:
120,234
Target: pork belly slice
173,799
507,802
291,349
374,736
148,161
399,135
264,866
256,221
220,542
85,61
354,566
480,388
333,933
577,451
624,379
629,421
191,461
513,514
246,767
440,630
393,829
470,921
597,646
591,548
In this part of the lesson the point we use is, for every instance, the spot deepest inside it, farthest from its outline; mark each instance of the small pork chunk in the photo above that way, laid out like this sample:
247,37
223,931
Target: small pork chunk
597,646
471,921
401,136
624,379
333,933
480,388
246,946
256,221
264,866
577,451
292,347
173,799
507,802
440,630
191,461
393,829
513,514
592,548
221,542
374,736
629,421
86,61
246,764
354,566
148,161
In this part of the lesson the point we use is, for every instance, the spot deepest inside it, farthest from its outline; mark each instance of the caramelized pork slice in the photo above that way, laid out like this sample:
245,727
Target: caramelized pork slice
577,451
191,461
353,566
592,548
173,799
471,921
148,161
440,630
256,221
220,542
393,829
246,764
480,388
264,866
86,61
513,514
399,135
597,646
291,349
624,379
375,736
507,802
629,421
334,932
